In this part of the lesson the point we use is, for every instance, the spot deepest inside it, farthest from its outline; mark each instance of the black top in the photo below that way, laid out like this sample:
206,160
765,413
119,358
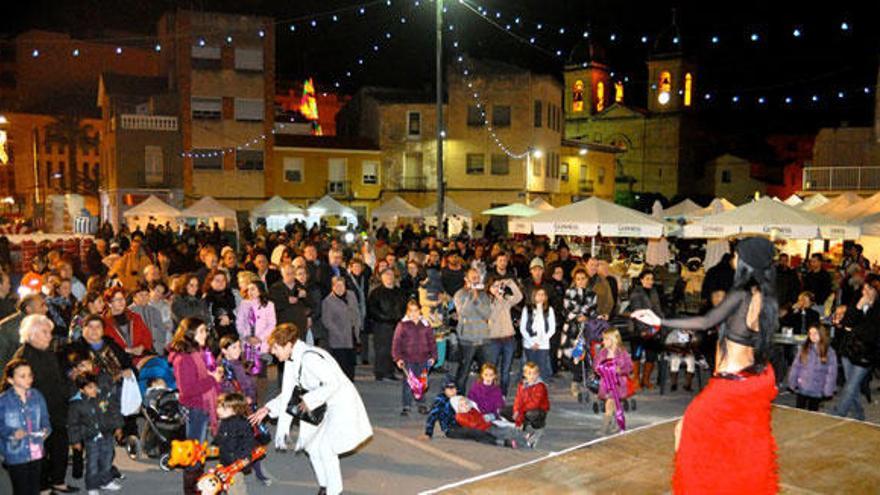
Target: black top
235,439
731,313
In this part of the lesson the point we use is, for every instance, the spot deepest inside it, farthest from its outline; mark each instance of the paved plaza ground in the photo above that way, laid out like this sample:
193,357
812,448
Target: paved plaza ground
396,461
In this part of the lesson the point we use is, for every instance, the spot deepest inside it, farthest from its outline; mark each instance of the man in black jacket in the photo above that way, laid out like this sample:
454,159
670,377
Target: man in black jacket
788,286
817,280
719,277
385,308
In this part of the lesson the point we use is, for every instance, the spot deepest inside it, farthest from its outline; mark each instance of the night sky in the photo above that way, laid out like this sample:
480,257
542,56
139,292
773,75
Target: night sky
823,61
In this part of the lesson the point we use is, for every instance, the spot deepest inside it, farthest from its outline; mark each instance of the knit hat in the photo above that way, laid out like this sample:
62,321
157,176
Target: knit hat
756,252
536,262
225,250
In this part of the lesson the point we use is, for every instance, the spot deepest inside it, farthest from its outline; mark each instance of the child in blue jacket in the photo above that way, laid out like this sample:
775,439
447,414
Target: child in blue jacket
24,425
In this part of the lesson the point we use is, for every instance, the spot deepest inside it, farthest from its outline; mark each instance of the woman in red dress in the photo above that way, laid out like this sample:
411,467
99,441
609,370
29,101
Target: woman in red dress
724,443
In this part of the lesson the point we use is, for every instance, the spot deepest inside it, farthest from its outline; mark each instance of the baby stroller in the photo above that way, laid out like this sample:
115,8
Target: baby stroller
163,422
587,344
163,415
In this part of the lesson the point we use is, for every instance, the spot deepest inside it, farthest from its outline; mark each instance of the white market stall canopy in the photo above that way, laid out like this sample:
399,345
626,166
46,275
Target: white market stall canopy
813,202
793,200
863,208
541,204
278,212
329,207
512,210
211,209
394,208
151,210
837,204
682,209
718,205
768,217
594,216
450,208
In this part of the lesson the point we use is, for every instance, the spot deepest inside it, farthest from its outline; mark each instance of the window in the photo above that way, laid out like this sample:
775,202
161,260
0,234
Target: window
413,124
294,170
584,173
249,159
337,176
563,172
501,115
550,116
370,172
664,86
207,159
206,57
726,176
600,175
476,164
536,167
577,96
249,59
474,116
208,108
500,164
47,147
600,96
538,113
154,169
618,92
688,88
248,109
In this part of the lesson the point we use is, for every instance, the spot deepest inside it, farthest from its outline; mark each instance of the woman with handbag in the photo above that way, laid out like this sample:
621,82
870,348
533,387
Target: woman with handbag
332,416
647,343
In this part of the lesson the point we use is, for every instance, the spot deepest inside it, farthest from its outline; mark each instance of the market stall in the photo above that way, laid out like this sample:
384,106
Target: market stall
541,204
767,217
327,207
813,202
393,210
277,212
210,211
863,208
793,200
515,214
837,204
681,210
151,210
458,218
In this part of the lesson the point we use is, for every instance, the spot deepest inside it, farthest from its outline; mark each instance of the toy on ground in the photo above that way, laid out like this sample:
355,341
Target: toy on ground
220,478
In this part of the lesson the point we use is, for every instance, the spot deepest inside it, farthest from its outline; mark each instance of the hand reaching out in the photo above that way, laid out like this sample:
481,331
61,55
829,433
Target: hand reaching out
647,317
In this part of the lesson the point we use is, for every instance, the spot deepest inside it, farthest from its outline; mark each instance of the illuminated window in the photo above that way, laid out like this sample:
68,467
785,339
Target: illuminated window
688,88
600,96
664,86
618,92
577,97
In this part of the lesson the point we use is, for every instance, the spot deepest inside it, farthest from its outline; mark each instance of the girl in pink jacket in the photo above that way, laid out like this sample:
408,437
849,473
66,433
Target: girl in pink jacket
255,320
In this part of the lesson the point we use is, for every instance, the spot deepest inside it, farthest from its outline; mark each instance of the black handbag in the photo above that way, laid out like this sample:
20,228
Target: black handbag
316,415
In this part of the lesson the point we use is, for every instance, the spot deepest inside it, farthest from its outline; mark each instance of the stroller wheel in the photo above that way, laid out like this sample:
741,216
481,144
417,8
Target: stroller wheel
581,398
595,407
632,404
163,462
625,405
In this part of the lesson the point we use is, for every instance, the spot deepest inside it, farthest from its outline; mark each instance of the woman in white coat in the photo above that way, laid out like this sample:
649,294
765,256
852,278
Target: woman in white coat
345,425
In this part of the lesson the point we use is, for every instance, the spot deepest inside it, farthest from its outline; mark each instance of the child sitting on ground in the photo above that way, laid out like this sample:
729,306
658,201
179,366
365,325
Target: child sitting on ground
531,404
468,415
92,421
443,412
612,350
235,437
813,373
486,393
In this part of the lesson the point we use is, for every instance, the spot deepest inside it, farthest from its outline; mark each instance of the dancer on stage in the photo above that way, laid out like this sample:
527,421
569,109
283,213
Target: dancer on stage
724,443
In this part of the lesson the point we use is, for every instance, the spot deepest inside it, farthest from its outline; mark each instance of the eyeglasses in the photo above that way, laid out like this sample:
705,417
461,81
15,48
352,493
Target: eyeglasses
118,299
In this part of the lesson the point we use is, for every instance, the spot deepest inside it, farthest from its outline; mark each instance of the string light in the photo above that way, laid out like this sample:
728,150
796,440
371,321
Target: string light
714,40
840,94
844,26
796,33
754,37
158,47
76,52
119,50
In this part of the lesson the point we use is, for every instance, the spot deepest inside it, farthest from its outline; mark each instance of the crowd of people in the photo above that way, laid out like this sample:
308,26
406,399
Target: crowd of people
402,300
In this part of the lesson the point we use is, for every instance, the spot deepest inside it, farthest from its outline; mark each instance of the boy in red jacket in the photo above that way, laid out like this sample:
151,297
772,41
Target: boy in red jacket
531,404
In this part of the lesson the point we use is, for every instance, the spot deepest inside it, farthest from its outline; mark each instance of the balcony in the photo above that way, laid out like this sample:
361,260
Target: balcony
339,188
585,186
841,179
134,122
